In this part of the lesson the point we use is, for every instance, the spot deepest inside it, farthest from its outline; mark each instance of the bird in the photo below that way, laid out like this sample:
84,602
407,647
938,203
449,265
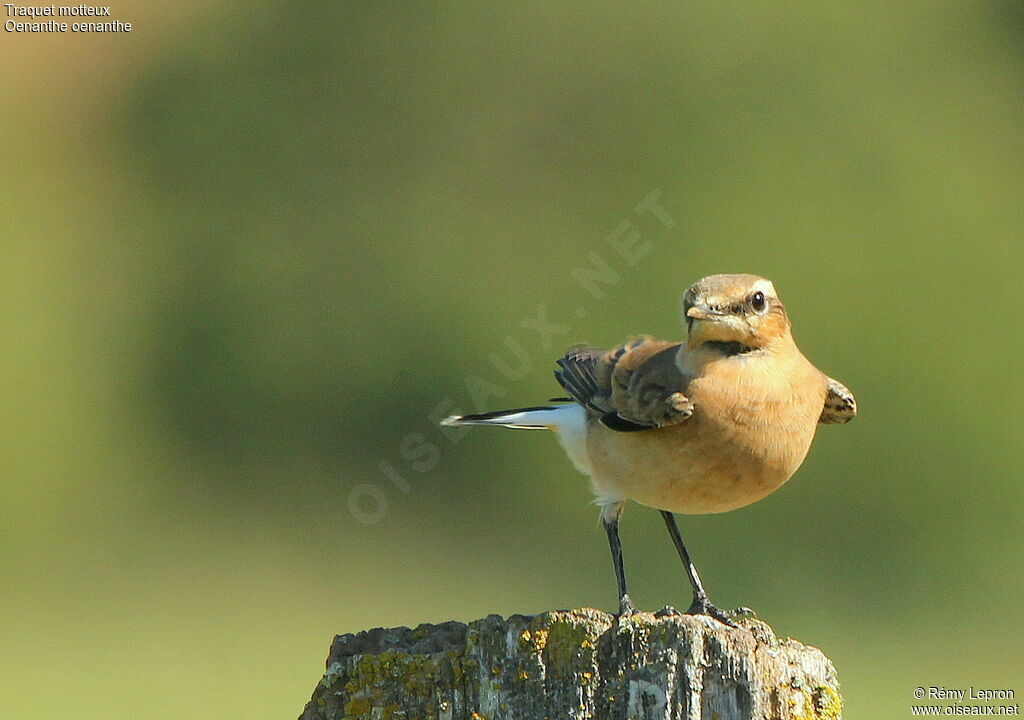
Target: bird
705,425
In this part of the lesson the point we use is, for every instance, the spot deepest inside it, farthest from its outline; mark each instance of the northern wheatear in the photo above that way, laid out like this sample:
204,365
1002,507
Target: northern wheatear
702,426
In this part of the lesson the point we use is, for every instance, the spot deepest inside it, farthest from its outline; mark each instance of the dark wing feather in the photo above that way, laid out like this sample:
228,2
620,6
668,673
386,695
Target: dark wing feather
633,387
613,421
577,374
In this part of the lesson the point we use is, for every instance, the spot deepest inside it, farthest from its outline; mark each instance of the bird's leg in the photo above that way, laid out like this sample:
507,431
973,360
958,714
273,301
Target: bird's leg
700,605
610,515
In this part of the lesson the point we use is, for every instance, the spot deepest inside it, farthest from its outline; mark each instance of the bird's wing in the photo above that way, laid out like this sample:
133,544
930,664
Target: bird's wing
636,386
840,405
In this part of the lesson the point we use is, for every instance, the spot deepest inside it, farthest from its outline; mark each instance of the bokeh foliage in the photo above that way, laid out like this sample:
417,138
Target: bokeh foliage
255,252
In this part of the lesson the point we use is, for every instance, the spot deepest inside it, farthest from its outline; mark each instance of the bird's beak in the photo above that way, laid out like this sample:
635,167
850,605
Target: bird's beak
703,312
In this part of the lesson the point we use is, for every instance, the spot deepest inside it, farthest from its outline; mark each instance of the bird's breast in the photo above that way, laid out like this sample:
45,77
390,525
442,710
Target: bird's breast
748,435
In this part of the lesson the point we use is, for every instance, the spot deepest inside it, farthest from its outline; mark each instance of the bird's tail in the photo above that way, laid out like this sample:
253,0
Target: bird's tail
544,417
569,421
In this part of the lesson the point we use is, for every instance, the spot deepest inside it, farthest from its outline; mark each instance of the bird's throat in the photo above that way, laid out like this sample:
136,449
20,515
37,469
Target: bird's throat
727,348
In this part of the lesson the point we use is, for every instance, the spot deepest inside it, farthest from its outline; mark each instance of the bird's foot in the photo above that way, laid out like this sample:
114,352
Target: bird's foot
702,606
740,613
626,607
743,613
668,611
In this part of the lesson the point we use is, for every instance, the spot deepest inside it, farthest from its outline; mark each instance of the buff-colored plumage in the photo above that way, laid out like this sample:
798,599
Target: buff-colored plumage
729,424
706,425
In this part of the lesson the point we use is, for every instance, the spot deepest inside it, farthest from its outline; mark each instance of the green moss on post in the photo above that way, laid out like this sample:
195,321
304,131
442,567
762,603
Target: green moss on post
577,664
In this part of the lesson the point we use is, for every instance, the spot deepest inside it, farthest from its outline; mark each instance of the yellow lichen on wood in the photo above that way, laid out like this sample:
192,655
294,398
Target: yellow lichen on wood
576,665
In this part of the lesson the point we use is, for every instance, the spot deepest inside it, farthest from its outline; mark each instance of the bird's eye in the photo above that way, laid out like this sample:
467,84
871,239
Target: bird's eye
757,301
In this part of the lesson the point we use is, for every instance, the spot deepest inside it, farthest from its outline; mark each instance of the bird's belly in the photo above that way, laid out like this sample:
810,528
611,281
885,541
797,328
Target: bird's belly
697,467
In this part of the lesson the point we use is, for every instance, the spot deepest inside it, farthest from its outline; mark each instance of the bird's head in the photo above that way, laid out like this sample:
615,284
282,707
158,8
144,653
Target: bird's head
742,310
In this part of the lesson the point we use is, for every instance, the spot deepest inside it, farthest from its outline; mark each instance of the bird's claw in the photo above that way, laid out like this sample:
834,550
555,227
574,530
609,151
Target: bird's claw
743,613
626,607
703,606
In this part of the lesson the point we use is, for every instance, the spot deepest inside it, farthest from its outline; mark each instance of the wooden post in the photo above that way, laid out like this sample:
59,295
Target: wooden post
569,665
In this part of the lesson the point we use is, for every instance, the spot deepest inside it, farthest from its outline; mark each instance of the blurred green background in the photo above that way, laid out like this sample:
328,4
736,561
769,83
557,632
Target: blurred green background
250,249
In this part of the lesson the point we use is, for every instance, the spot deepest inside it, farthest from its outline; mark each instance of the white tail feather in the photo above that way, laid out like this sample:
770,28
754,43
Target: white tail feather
569,421
522,419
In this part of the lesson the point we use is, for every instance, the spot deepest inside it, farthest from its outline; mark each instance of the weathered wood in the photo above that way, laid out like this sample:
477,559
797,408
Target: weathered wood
576,664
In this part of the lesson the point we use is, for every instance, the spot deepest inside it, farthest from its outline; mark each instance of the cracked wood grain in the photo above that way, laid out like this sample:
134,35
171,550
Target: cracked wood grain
574,665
